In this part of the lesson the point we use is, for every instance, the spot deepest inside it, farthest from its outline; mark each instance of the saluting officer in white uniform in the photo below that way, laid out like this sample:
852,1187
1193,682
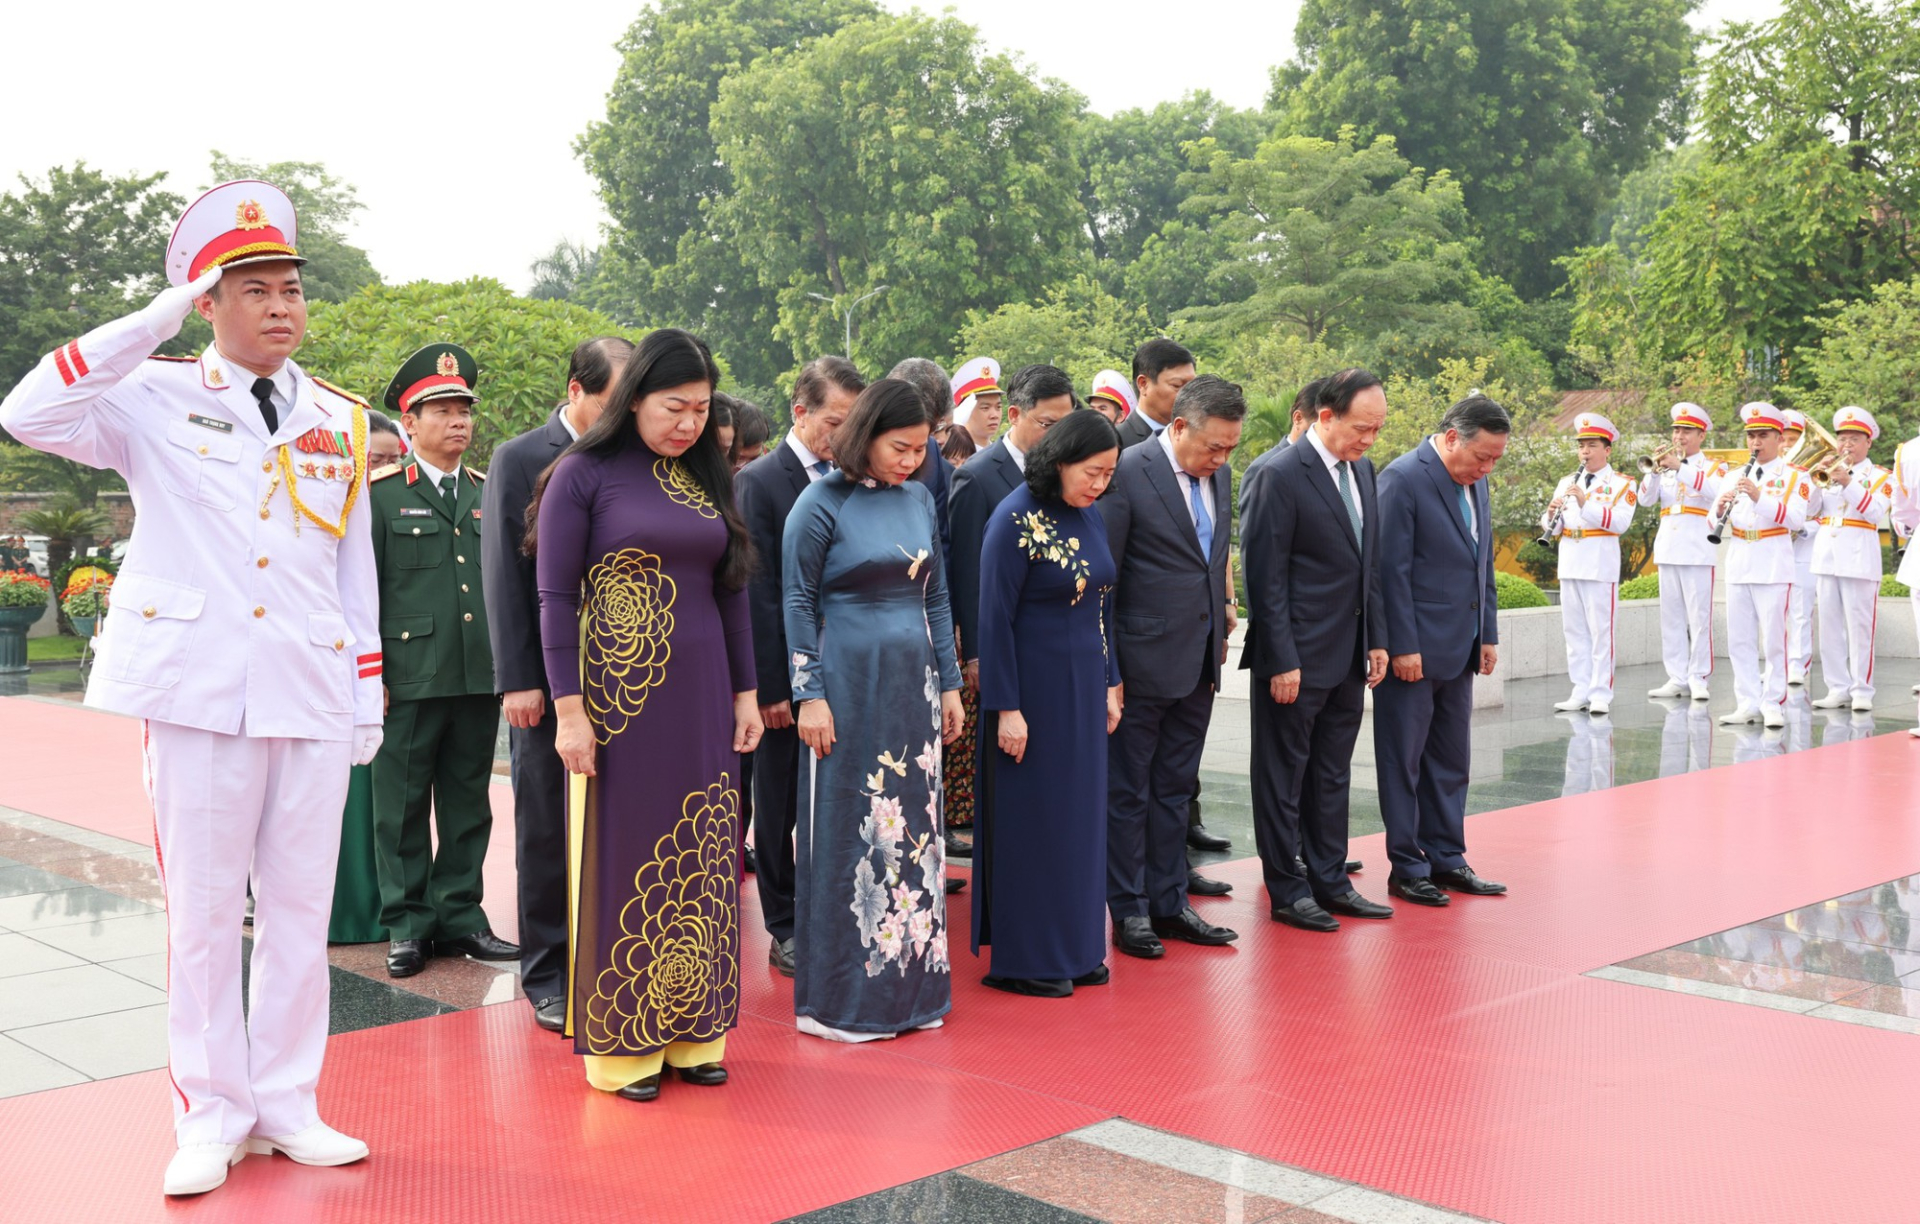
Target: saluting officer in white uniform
1766,501
1801,599
1593,506
244,632
1846,562
1905,520
1682,488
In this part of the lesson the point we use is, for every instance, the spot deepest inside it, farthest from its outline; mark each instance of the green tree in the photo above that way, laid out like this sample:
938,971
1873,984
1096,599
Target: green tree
661,175
1133,163
325,205
1077,326
521,346
1868,354
1339,240
1536,106
1808,190
1643,195
564,273
896,152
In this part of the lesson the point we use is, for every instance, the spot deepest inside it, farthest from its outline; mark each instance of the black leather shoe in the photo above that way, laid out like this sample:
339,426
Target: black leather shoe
641,1090
955,884
1417,889
1462,879
1200,886
780,956
1037,988
1135,937
551,1014
1305,914
1192,928
406,957
748,863
483,944
1200,839
1096,977
957,848
707,1075
1353,865
1353,905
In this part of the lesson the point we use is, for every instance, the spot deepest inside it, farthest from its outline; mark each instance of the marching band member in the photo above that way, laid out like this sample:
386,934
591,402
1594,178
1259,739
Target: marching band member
1801,599
1763,503
1904,518
1682,487
1846,562
1112,395
245,633
1590,509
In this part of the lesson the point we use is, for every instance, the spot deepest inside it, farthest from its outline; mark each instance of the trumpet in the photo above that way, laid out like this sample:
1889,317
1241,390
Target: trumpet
1823,472
1651,463
1720,518
1551,526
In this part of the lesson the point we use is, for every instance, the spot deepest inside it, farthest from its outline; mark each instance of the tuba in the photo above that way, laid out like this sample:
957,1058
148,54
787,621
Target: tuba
1816,448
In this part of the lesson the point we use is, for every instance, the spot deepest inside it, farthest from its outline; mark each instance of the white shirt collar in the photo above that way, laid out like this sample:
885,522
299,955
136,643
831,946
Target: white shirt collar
241,377
807,457
1158,429
432,473
1019,456
566,423
1320,447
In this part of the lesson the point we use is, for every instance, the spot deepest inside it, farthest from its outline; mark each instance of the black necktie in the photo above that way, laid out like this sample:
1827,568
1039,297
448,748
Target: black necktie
263,391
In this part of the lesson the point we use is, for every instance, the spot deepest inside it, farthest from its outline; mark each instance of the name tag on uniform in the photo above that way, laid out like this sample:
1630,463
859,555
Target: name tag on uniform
415,512
194,418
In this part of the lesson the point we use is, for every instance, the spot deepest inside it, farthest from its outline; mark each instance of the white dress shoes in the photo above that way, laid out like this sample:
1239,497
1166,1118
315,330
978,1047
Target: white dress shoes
1699,690
319,1144
1672,688
200,1167
1598,709
1832,701
1775,717
1570,704
1745,714
1862,705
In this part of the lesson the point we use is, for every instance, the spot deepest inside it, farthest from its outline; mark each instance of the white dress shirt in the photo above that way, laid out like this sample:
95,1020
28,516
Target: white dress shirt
1333,470
432,473
807,457
1019,456
1186,483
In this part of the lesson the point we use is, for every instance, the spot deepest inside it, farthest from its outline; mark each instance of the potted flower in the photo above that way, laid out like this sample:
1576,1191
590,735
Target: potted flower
85,599
23,600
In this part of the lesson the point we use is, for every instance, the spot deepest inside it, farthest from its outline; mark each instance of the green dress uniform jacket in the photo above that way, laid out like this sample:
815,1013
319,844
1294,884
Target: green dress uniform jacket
436,760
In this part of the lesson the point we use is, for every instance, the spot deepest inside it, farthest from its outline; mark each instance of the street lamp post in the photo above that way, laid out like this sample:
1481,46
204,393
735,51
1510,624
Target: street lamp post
876,291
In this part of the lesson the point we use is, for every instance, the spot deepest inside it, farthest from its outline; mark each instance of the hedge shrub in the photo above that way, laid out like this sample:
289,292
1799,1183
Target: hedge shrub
1516,592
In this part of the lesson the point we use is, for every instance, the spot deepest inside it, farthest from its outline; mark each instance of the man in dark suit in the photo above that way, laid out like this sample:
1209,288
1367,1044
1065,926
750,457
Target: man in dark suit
1160,369
520,674
1167,515
1436,586
1311,527
765,491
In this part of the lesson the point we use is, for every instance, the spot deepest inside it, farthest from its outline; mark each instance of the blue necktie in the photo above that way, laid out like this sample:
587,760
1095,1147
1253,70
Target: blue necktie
1466,516
1201,523
823,467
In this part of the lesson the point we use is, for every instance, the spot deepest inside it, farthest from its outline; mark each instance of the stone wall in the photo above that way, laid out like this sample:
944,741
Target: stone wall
118,507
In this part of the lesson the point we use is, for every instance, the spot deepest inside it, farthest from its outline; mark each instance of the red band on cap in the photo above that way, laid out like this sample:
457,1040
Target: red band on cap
239,244
1692,421
978,386
432,382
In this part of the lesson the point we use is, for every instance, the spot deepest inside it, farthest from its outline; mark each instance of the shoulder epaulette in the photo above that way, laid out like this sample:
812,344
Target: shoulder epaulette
342,392
381,473
165,357
476,473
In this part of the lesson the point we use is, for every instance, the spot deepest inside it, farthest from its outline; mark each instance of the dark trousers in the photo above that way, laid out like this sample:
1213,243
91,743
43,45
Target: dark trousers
776,777
1153,759
540,855
1302,771
435,762
1422,735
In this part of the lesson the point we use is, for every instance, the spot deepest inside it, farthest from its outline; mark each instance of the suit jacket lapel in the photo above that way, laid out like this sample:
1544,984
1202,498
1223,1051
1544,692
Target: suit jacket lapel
428,491
796,470
1160,476
1222,496
1009,470
1445,484
1321,479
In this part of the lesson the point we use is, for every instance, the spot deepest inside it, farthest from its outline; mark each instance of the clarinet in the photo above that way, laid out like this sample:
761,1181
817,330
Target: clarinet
1746,473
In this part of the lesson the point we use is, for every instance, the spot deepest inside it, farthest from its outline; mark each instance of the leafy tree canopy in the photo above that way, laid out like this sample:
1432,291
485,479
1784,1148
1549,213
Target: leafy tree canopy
1077,326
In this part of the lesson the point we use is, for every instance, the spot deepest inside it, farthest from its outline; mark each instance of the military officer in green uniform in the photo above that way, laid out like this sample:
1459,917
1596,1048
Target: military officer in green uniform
442,716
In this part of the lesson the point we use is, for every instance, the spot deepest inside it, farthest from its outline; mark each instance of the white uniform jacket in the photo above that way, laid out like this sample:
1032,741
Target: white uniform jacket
1905,510
232,602
1848,542
1684,500
1590,534
1762,532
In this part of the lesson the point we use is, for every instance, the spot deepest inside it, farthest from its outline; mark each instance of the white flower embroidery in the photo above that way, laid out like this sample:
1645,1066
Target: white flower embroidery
869,902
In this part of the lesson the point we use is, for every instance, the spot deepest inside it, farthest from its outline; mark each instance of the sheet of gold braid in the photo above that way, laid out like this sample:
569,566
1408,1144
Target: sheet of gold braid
355,462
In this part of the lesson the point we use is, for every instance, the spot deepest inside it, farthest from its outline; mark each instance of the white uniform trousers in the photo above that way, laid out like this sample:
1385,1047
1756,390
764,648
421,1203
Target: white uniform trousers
1757,643
1686,622
1586,615
222,803
1849,608
1800,611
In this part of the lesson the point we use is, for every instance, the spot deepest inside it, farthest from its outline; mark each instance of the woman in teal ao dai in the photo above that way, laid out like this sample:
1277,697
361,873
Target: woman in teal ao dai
866,602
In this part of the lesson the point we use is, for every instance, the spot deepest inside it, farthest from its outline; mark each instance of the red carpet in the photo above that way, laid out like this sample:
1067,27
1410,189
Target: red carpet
1455,1056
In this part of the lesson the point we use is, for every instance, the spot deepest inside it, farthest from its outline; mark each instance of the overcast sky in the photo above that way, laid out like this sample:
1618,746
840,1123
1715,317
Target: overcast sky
457,122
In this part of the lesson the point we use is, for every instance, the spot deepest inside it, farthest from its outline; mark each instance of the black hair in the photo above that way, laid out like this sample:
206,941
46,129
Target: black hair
932,383
1307,401
722,410
1156,357
666,358
380,422
959,447
1337,390
1209,397
751,425
1031,384
592,362
1075,439
810,388
1476,413
890,404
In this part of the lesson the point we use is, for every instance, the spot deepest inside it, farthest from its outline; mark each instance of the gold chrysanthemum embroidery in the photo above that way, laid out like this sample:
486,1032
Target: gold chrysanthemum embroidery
628,632
674,972
1041,537
680,485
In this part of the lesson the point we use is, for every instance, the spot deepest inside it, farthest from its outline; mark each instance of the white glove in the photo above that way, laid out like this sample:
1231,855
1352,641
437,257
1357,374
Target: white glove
366,742
165,313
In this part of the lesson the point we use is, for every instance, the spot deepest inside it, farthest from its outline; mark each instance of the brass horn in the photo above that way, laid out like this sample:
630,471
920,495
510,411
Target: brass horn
1649,463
